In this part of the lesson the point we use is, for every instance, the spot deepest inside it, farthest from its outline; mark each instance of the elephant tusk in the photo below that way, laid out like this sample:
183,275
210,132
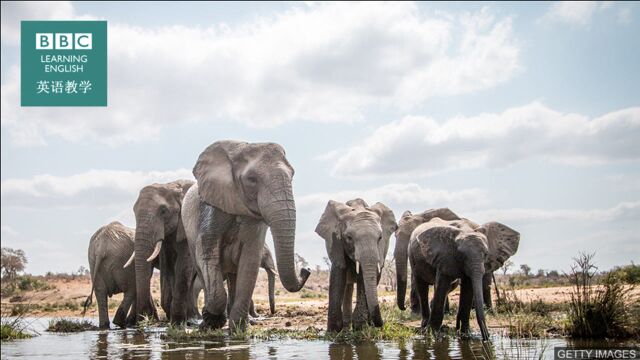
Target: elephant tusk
133,255
357,267
379,268
156,251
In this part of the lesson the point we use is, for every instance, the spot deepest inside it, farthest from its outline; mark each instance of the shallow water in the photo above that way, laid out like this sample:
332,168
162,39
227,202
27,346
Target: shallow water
131,344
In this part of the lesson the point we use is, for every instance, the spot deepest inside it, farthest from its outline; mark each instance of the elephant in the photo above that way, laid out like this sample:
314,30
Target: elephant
357,240
242,189
409,222
109,250
160,241
268,265
441,251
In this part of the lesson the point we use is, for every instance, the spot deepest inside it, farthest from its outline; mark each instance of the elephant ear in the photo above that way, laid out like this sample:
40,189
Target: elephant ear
217,184
435,239
357,203
180,188
328,225
503,243
389,226
442,213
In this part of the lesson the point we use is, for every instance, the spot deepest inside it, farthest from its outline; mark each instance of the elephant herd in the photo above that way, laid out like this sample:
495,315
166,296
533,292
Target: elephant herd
205,233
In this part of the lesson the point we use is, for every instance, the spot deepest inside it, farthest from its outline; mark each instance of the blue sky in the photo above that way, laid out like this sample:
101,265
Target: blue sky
526,114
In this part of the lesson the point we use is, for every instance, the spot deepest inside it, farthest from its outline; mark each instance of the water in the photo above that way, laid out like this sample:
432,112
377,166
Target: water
131,344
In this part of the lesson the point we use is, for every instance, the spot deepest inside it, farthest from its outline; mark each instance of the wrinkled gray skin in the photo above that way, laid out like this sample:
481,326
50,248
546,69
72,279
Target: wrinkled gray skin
441,251
109,250
160,240
268,265
242,189
409,222
357,241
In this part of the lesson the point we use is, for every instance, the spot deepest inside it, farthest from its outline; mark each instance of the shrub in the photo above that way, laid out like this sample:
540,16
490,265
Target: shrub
630,274
598,312
70,325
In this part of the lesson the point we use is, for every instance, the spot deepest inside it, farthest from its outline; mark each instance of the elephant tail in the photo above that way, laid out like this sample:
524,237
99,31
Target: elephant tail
89,299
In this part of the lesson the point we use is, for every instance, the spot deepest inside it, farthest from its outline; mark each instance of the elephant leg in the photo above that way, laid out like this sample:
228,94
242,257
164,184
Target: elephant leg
103,308
361,312
231,284
166,283
212,225
248,268
464,308
182,308
486,290
346,305
337,283
447,308
414,297
422,292
133,315
120,318
443,283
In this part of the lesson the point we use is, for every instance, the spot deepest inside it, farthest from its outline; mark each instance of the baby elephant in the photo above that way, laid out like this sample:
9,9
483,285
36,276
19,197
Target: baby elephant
357,240
441,251
109,250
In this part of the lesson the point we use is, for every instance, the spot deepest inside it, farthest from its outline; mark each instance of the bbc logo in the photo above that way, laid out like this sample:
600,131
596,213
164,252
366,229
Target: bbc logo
64,41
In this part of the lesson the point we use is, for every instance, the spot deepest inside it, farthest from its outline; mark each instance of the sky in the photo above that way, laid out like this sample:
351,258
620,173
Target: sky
522,113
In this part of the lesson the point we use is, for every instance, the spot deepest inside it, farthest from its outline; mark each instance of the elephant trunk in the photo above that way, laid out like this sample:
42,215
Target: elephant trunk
144,246
272,291
279,211
370,280
478,299
208,250
400,254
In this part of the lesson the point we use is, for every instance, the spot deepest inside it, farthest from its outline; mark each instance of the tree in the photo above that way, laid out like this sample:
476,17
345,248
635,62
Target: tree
526,269
506,266
540,273
300,262
13,262
327,262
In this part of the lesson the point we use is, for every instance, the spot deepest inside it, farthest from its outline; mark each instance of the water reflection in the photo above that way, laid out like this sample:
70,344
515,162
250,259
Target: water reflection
131,344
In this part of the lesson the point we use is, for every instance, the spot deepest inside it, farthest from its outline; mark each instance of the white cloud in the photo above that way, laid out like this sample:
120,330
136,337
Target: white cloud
325,63
15,11
492,140
399,197
625,210
576,13
8,230
92,188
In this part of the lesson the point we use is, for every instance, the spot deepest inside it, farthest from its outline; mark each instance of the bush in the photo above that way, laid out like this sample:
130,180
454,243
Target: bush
629,274
70,325
598,312
14,325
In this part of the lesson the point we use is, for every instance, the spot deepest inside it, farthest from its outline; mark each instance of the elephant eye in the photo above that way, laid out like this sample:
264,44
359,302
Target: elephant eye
163,210
379,238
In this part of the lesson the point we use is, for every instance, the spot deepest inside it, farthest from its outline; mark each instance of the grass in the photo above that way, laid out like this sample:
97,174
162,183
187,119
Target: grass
600,312
64,325
14,325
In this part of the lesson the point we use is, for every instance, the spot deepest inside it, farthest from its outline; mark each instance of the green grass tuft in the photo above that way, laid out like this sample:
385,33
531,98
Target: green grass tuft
63,325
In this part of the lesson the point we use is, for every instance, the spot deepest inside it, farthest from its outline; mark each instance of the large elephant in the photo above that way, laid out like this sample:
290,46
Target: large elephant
409,222
243,188
109,250
357,240
268,265
441,251
160,241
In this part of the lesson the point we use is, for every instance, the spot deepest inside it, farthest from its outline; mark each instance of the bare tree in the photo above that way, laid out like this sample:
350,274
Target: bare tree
506,266
300,262
389,274
327,262
526,269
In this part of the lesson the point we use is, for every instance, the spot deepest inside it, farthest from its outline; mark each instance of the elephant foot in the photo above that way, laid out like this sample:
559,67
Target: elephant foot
104,326
334,327
120,320
211,321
